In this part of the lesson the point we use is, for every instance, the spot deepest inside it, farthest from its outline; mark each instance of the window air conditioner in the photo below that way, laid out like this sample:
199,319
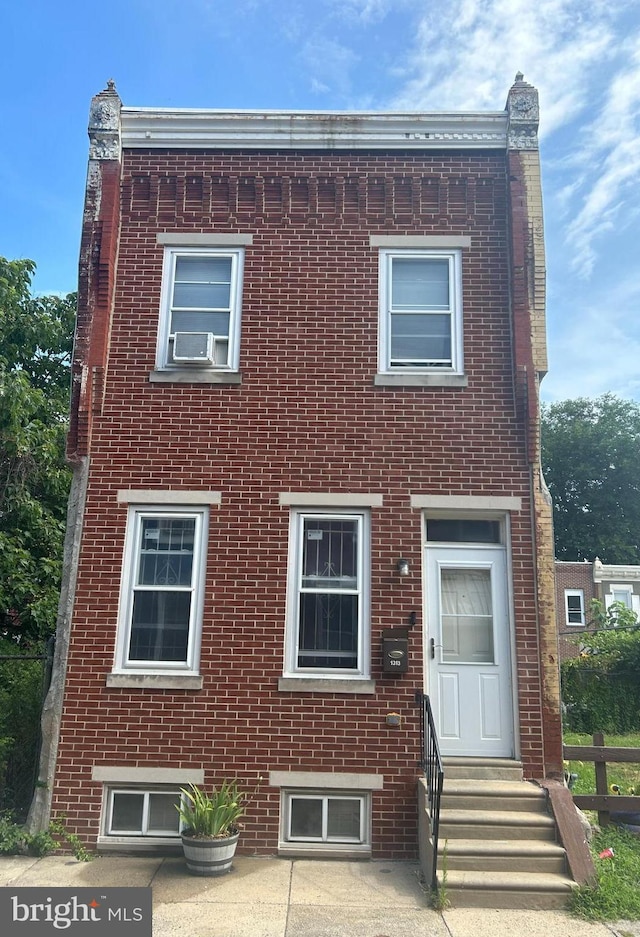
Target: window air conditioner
194,347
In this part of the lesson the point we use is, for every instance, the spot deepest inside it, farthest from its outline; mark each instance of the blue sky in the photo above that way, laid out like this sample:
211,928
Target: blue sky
354,54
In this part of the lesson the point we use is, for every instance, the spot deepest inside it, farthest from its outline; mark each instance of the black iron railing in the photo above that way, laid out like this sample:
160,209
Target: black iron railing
431,764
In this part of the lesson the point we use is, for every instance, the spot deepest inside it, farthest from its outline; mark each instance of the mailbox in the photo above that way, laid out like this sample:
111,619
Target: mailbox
395,655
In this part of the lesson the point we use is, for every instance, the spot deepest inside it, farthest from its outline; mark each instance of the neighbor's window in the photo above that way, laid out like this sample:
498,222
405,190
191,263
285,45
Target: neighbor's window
328,594
620,594
134,812
161,601
201,300
326,818
420,311
574,606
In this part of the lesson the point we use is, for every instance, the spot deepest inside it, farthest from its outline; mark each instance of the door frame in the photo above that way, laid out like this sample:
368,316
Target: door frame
503,519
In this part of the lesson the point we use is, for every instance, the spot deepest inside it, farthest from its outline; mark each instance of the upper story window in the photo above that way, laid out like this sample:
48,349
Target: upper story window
574,606
201,304
623,594
328,595
162,588
420,311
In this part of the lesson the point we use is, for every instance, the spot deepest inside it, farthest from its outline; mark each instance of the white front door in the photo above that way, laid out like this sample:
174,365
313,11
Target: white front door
468,650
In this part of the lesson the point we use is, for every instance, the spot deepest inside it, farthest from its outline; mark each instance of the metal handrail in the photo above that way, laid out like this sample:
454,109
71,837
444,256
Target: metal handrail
431,764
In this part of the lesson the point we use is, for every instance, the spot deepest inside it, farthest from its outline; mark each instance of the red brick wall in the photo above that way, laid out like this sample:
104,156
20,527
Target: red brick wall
305,418
572,576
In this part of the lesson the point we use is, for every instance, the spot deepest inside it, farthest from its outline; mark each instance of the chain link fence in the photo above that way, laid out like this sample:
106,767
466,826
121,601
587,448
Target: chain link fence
24,681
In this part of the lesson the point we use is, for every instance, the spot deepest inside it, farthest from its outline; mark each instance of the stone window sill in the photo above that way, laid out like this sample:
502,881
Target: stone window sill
325,685
420,380
194,376
152,681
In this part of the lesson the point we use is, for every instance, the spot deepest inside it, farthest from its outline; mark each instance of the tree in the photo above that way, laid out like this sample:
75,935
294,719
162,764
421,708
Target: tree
591,462
600,687
35,352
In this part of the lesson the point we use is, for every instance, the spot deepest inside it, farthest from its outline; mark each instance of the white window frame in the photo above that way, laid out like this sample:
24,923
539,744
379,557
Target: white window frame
171,253
324,843
572,593
386,258
632,602
136,515
144,832
296,530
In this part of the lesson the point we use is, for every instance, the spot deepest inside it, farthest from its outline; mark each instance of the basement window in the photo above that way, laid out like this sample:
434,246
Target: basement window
337,821
136,812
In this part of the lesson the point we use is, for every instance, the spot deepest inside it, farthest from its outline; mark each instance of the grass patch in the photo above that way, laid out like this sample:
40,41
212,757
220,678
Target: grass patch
617,895
625,775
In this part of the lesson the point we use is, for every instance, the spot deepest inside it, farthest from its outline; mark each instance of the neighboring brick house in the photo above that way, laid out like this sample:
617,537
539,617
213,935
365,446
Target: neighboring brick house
304,419
577,584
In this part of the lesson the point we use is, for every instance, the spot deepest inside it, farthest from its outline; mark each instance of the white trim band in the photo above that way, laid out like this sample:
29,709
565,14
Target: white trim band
466,502
326,780
330,499
168,496
151,127
110,774
402,241
197,239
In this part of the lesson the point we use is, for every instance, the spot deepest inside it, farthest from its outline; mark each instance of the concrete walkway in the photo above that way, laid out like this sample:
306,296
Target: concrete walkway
295,898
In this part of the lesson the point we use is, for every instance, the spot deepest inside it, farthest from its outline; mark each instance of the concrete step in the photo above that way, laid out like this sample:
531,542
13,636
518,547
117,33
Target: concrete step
496,769
496,824
512,890
474,794
515,855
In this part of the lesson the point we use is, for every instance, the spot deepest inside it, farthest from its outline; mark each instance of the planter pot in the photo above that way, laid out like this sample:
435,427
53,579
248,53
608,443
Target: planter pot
209,856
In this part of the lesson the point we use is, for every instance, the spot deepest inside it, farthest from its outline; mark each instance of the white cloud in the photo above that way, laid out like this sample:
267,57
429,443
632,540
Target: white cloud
318,87
610,160
467,53
329,64
364,11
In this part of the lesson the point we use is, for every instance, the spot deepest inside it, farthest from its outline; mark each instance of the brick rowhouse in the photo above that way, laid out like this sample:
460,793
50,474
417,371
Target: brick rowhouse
311,423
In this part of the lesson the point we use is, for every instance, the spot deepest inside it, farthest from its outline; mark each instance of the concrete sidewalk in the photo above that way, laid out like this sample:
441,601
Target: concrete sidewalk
274,897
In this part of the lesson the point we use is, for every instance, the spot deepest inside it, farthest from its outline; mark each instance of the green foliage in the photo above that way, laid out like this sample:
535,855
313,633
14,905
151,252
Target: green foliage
79,850
212,815
590,462
440,897
21,686
35,352
616,895
600,688
15,840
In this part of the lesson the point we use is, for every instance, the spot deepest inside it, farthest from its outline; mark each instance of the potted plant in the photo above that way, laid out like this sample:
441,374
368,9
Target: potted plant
210,828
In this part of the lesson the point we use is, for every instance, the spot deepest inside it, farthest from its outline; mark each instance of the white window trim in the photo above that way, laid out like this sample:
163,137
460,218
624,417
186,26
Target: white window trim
144,833
137,842
190,666
634,600
570,593
300,846
168,270
456,368
291,669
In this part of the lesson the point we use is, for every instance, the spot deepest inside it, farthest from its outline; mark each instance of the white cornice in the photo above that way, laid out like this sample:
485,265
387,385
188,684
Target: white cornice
160,128
614,573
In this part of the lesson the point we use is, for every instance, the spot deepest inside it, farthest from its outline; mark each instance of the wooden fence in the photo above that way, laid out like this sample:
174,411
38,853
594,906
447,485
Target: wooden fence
603,800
